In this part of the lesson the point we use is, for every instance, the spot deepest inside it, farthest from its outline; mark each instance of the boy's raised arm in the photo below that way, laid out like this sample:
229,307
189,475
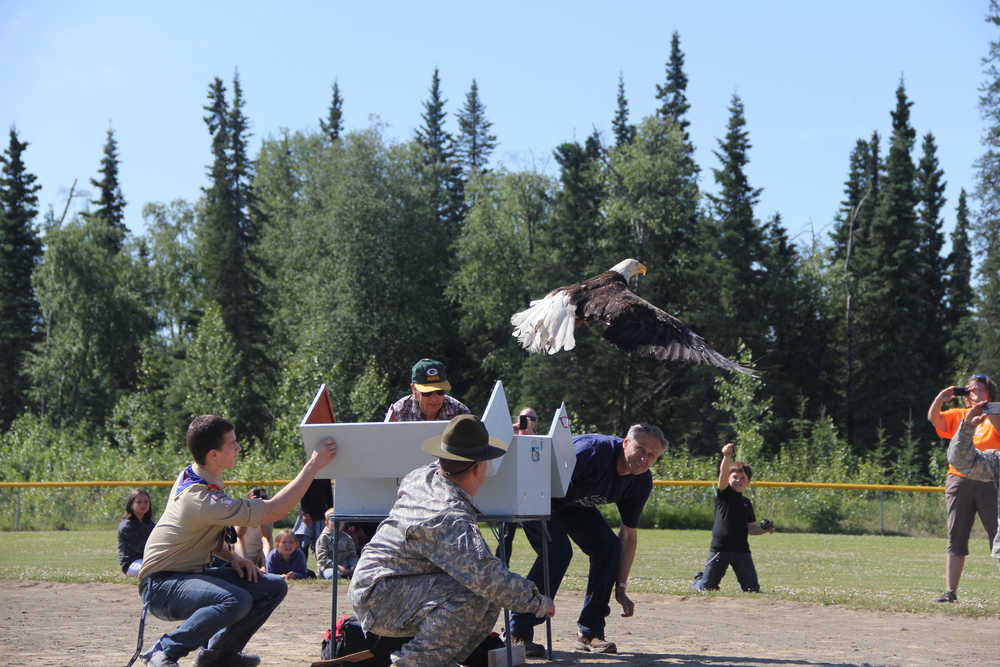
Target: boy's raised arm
727,453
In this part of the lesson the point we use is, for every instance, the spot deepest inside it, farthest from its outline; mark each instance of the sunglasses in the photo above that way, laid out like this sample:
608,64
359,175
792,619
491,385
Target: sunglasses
981,378
531,417
439,392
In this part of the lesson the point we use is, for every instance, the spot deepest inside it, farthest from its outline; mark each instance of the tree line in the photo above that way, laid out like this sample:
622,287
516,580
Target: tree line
341,257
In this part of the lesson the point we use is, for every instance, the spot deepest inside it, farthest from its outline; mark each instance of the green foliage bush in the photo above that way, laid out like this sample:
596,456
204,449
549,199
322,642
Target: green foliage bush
34,450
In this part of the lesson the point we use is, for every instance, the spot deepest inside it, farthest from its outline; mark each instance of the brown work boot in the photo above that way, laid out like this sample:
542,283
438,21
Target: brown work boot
531,649
595,645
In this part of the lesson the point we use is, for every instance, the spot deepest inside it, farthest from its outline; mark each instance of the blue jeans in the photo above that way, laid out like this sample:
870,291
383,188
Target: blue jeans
715,568
588,529
307,533
220,609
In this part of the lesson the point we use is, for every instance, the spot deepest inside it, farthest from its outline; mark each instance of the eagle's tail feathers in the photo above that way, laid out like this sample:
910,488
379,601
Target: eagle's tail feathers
563,336
546,325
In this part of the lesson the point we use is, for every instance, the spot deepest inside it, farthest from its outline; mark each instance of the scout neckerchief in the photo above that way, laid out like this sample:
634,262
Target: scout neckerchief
189,478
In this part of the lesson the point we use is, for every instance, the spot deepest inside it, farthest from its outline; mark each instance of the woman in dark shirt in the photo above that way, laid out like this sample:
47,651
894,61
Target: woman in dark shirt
133,531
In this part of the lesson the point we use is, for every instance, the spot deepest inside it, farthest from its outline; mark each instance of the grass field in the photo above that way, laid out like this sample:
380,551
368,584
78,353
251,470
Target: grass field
857,571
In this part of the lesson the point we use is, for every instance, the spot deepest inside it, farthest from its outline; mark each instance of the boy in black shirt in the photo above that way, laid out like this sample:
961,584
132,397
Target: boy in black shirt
734,521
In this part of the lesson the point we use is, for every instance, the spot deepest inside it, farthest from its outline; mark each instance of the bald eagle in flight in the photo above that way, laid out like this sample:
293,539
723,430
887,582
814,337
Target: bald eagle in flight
633,324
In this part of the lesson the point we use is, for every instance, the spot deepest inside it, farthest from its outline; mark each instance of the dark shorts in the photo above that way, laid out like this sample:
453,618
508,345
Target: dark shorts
964,498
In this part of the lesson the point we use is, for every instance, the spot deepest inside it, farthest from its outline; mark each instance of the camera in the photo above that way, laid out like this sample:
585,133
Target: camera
992,409
959,391
522,422
765,524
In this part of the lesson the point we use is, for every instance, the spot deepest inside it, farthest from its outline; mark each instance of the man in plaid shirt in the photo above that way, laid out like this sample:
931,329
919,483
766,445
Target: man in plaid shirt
428,399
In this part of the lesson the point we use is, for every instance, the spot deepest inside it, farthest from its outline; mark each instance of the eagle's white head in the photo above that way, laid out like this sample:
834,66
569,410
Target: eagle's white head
628,268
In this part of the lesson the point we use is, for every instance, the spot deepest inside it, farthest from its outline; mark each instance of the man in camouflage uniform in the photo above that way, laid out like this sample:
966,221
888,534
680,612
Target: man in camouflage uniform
428,573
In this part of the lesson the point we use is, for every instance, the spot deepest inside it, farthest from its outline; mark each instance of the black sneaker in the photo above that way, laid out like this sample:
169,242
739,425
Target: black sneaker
159,659
947,596
531,649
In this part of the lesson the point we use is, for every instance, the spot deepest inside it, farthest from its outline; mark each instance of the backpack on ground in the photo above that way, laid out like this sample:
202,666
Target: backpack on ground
351,638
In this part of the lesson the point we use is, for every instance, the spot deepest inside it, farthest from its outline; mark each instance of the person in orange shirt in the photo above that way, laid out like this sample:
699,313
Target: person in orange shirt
964,497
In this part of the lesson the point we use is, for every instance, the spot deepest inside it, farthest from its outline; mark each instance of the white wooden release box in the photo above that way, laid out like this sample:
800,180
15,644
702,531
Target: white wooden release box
372,457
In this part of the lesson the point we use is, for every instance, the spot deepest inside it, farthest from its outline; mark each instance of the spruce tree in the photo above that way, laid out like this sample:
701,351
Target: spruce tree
241,172
110,203
432,135
624,133
931,267
227,237
796,361
674,105
440,165
441,176
861,193
889,296
959,298
572,233
333,124
858,203
987,225
20,249
218,235
739,238
475,143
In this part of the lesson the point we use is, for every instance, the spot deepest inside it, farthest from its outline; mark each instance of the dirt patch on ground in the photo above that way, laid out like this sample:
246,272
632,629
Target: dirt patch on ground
54,624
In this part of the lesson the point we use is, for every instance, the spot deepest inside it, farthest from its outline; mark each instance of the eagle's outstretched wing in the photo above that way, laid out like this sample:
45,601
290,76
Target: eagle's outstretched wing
635,324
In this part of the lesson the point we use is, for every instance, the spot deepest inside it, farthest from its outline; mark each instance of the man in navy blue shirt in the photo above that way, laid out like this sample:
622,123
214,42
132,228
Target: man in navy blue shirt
608,470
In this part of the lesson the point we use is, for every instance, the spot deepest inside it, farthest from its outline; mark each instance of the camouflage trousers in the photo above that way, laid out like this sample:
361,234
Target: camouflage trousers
446,619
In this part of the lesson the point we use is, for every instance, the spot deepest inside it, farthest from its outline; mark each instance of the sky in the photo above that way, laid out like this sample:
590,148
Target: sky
814,77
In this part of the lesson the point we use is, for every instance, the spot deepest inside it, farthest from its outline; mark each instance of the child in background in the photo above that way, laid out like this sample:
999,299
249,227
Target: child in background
255,543
287,559
133,531
347,557
734,521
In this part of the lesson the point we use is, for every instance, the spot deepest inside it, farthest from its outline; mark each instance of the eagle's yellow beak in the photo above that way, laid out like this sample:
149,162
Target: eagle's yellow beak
642,268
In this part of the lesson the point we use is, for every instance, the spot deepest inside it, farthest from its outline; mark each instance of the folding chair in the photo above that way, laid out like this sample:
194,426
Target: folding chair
142,628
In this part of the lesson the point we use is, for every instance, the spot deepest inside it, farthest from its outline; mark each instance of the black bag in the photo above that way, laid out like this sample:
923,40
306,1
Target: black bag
480,656
351,638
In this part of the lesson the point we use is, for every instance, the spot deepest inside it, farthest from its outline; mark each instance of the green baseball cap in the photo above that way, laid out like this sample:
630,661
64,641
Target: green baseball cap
430,375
